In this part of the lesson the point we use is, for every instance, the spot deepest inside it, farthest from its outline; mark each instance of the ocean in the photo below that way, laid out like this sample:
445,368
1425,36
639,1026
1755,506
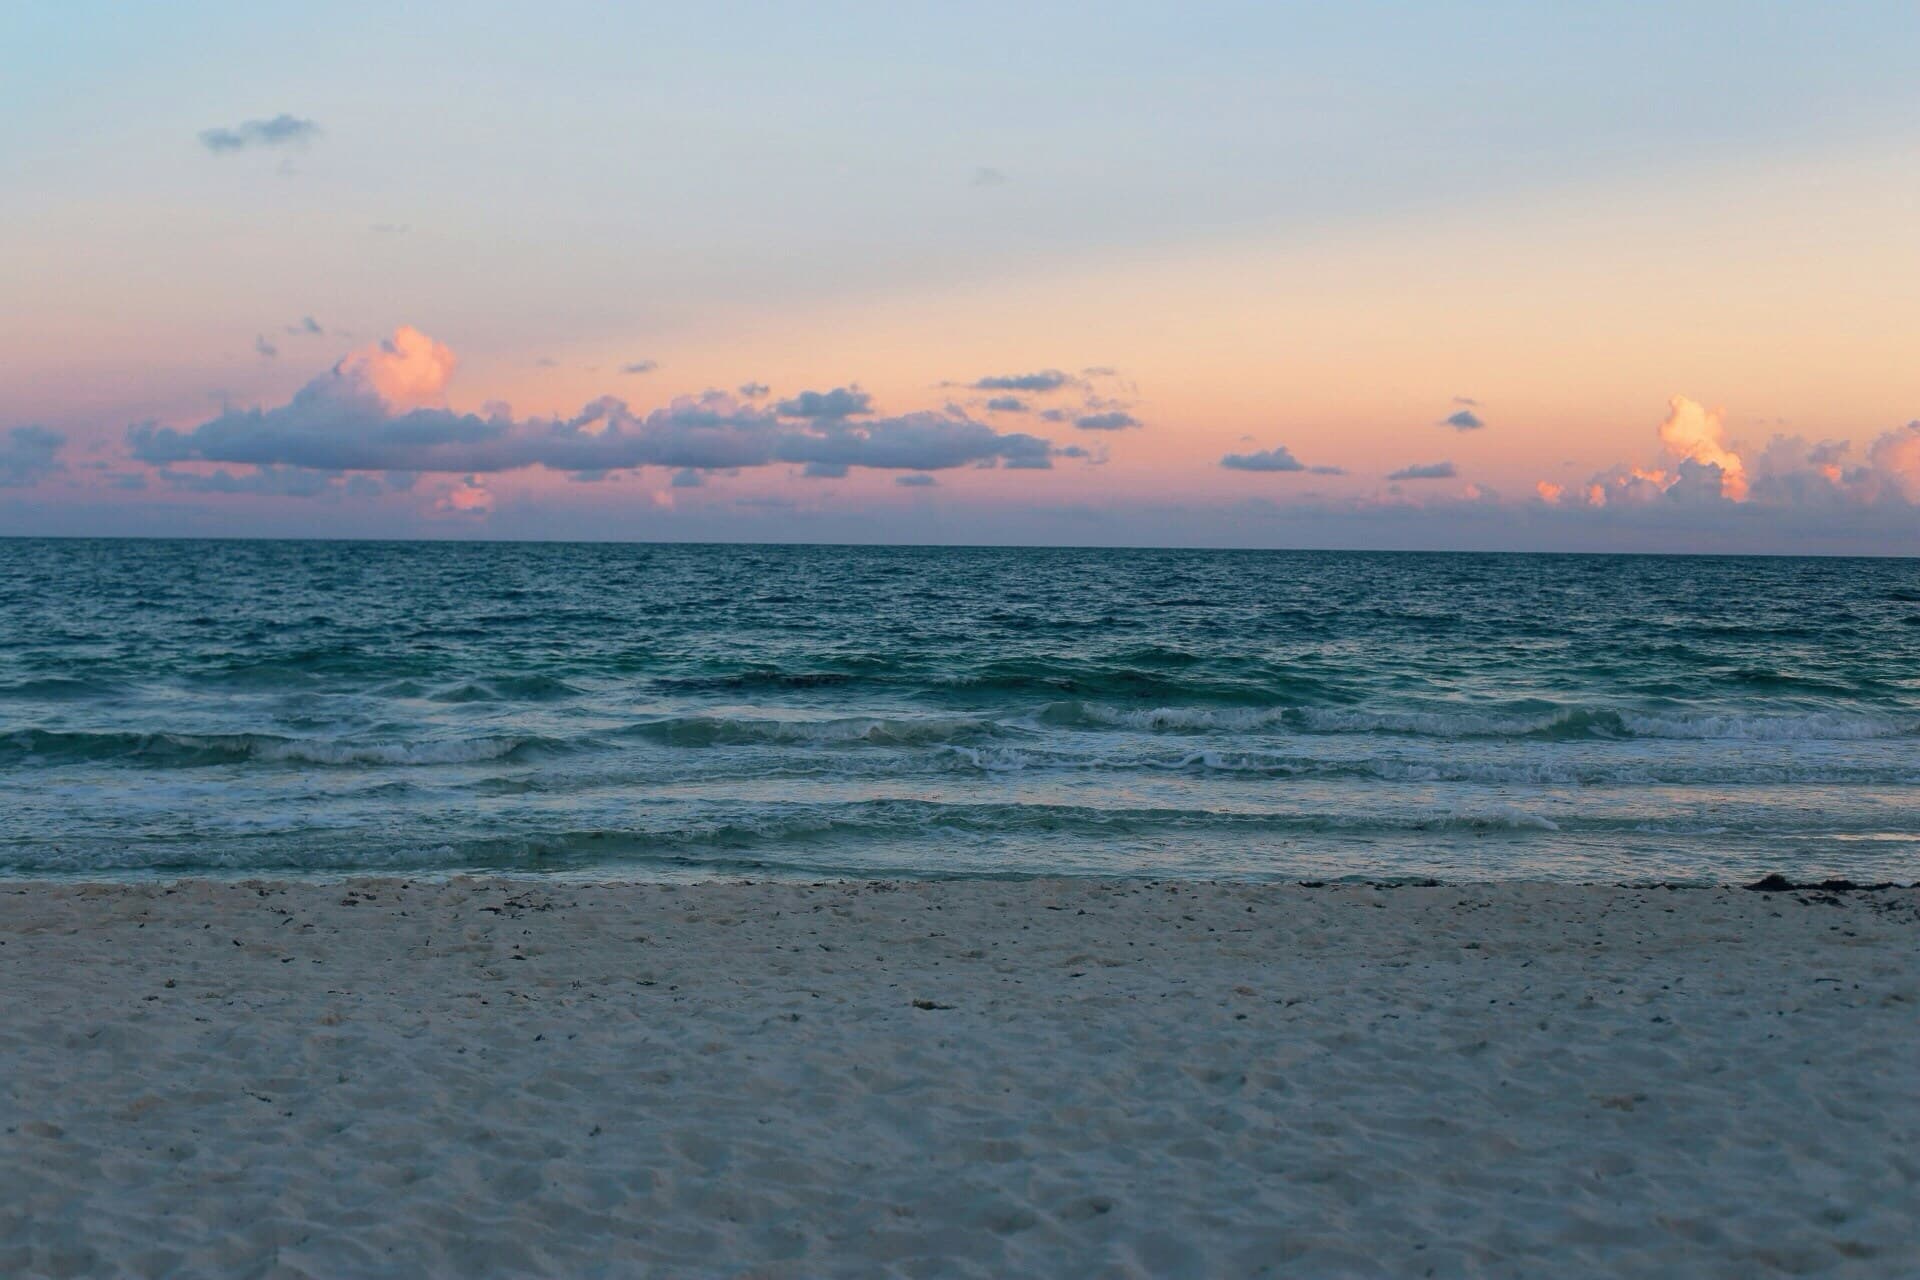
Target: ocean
289,708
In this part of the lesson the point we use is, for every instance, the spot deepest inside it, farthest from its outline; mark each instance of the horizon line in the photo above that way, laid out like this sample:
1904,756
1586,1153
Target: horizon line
959,546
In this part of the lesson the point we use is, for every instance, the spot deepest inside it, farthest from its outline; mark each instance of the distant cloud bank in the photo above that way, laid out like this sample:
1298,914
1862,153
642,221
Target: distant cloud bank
1705,469
381,410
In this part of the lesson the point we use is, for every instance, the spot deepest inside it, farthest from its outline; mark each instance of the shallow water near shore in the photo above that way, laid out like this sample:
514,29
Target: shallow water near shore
178,707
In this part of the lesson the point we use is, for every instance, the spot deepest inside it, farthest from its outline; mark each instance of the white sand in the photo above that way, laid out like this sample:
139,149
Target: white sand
499,1078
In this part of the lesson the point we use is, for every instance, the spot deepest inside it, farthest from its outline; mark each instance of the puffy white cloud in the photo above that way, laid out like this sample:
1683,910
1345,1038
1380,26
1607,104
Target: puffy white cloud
1787,472
408,370
1694,433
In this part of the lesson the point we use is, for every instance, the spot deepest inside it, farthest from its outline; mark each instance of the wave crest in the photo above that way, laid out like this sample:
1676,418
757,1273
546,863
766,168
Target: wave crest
189,749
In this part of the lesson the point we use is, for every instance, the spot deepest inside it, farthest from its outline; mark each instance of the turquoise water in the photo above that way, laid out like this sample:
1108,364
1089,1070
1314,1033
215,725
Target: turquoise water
284,707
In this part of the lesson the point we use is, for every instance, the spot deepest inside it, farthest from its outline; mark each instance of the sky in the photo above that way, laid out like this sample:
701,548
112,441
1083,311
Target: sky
1612,277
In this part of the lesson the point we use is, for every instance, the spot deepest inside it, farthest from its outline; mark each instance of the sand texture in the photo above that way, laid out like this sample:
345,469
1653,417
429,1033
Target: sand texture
1049,1078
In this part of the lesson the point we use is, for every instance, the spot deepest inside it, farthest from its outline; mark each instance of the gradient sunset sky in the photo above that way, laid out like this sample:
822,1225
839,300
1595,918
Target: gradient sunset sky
1449,275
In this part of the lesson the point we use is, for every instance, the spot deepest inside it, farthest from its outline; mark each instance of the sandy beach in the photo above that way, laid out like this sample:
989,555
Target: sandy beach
1067,1078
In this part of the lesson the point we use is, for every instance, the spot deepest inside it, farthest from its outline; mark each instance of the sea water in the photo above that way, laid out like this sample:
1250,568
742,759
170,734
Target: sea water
172,707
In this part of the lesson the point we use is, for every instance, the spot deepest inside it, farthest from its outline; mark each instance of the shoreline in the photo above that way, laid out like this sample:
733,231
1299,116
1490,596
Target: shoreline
605,878
517,1075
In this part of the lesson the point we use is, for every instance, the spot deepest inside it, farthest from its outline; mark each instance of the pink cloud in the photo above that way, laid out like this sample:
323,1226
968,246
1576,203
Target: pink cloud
1896,456
1694,433
467,498
1788,471
407,371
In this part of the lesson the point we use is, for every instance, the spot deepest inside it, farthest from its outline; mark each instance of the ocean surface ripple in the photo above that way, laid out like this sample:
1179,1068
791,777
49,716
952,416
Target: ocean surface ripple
170,707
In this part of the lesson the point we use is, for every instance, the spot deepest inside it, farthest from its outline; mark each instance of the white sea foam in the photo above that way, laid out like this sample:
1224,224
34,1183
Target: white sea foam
1809,726
315,751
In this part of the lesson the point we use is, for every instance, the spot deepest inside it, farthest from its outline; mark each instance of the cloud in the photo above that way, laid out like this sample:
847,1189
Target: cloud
1465,420
1278,458
1043,381
1827,452
285,482
754,390
841,402
640,366
390,228
28,455
825,471
264,349
1099,371
282,130
1707,471
308,327
1468,401
1705,467
409,369
916,442
1425,471
1895,457
688,478
1697,434
988,177
382,409
1113,420
1006,404
467,498
915,480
